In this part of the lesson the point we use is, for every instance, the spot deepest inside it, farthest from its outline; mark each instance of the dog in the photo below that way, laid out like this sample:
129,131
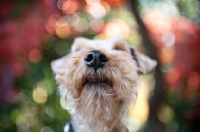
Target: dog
99,81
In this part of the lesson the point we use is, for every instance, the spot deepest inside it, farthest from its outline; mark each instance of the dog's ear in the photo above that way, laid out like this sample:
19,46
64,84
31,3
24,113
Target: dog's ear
145,63
120,44
58,66
79,43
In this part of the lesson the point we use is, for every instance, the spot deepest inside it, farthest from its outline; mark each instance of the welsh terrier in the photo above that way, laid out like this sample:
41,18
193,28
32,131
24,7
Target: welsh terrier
99,81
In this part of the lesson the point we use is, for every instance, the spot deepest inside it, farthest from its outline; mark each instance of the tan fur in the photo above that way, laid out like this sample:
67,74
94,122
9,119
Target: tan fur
102,106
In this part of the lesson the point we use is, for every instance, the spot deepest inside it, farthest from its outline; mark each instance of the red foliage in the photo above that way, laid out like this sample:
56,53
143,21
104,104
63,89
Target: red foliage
178,43
114,3
186,64
18,37
6,8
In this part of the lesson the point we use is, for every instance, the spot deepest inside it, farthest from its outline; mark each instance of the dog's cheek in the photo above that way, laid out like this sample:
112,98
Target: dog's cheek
125,66
127,79
77,59
125,63
60,79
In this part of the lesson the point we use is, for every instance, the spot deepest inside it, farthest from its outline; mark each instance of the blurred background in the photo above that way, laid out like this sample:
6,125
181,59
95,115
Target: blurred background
33,33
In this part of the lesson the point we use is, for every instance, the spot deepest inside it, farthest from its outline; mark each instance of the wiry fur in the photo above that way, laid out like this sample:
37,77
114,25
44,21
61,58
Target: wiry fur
98,106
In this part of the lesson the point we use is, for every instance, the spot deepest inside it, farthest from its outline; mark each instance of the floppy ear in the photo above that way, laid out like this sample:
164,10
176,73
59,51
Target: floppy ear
145,63
59,67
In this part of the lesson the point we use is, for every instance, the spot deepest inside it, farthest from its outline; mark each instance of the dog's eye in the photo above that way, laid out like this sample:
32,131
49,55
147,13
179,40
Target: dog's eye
77,49
116,48
120,47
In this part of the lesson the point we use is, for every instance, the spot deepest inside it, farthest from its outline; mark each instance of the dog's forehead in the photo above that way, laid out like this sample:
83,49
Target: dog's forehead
116,42
101,44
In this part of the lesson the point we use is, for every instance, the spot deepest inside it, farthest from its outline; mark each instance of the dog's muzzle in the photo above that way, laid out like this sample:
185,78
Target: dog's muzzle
95,59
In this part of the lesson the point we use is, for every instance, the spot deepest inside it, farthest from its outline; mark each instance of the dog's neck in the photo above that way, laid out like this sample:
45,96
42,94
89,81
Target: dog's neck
119,125
69,128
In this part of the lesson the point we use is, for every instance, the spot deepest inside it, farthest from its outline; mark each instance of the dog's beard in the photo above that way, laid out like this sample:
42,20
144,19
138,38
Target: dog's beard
100,98
98,105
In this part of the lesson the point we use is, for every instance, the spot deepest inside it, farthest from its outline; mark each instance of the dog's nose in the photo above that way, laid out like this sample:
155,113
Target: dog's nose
95,59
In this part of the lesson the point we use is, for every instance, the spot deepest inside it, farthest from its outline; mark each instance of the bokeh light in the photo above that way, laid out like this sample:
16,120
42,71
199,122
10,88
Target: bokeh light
62,31
35,55
47,129
23,97
82,26
115,3
157,21
61,47
69,6
51,111
96,10
74,20
97,25
117,27
165,114
40,95
63,21
53,18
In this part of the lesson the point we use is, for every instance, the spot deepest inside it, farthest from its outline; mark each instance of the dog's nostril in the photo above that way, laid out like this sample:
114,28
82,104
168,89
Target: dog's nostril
95,59
103,58
89,57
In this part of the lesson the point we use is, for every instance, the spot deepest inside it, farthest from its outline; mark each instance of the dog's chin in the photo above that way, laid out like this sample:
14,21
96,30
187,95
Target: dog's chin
98,82
98,99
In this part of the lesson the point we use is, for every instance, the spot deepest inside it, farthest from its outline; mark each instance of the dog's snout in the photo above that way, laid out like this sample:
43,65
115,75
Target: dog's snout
95,59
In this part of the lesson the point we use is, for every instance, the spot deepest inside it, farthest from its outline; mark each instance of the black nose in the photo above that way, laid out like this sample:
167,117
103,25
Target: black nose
95,59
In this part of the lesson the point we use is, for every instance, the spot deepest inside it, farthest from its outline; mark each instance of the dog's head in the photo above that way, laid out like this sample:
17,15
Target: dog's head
99,77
